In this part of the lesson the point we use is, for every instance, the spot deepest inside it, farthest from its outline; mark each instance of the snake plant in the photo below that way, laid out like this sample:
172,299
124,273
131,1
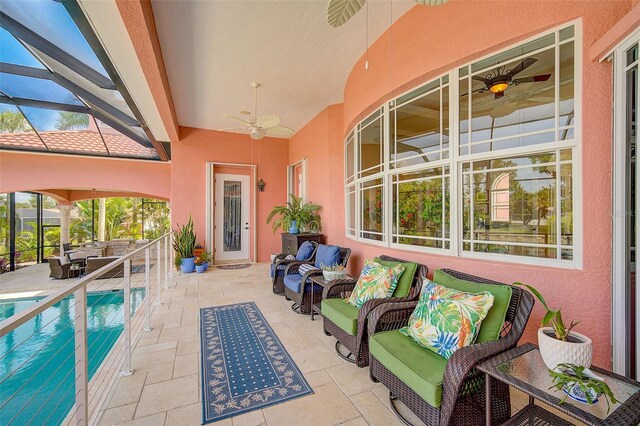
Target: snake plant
184,240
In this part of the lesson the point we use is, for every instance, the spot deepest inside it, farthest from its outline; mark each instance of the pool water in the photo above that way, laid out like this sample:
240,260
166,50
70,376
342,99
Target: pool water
37,359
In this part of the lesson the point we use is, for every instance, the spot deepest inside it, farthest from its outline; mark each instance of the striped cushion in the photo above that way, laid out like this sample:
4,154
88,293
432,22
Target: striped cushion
290,257
304,268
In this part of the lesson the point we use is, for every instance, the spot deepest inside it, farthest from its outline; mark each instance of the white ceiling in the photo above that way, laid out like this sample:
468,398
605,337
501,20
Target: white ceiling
213,50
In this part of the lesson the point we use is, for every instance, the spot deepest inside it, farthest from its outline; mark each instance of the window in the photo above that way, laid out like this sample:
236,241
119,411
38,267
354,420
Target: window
510,155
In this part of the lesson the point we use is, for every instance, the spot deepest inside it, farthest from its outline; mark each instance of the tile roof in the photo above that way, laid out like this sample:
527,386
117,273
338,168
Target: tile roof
80,141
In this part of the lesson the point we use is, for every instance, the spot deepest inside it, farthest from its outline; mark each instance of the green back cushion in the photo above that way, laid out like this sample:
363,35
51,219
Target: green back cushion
404,283
492,324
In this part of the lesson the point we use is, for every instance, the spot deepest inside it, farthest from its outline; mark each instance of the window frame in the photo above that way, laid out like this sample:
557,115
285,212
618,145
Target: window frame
455,161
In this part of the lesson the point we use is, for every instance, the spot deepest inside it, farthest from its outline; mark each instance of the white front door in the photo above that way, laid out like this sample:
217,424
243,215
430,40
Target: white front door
232,195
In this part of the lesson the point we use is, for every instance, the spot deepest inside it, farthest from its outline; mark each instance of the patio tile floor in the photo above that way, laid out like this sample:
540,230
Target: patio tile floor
165,388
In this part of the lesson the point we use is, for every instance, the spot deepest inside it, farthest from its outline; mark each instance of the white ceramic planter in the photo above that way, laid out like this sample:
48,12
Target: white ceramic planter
333,275
556,351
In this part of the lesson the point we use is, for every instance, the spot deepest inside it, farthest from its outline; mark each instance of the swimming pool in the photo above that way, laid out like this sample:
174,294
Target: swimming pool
37,358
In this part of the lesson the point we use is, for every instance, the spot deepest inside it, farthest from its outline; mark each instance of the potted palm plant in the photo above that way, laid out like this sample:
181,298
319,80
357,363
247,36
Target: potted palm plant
294,215
558,343
184,243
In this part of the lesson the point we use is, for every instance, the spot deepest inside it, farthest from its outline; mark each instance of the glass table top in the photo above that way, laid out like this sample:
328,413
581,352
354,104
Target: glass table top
531,369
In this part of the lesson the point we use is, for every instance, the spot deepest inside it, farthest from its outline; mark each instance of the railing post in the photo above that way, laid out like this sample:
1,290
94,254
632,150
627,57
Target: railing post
81,357
147,283
127,318
167,264
158,266
171,256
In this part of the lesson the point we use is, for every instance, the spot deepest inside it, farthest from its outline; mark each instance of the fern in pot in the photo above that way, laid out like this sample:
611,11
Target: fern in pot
184,243
294,215
558,343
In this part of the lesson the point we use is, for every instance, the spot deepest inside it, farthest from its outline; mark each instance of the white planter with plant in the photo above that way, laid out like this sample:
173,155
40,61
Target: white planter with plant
333,272
558,343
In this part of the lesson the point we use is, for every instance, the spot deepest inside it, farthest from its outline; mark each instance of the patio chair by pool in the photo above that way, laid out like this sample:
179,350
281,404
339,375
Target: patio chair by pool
437,390
59,267
297,283
305,254
348,324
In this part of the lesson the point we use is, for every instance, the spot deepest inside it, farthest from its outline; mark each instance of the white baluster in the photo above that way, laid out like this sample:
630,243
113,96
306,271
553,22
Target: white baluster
81,357
147,283
127,318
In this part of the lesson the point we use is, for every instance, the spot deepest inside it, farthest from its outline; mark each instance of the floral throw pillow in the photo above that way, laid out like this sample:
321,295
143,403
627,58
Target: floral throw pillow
446,319
376,281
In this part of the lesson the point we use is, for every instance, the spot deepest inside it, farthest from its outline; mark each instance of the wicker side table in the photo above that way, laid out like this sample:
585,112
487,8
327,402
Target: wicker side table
524,369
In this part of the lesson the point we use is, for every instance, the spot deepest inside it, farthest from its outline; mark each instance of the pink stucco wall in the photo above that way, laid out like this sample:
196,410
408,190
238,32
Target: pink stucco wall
197,147
428,41
74,178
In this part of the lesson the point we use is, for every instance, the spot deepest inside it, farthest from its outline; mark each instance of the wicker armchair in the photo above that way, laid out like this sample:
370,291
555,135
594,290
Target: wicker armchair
463,396
358,345
58,269
280,263
302,298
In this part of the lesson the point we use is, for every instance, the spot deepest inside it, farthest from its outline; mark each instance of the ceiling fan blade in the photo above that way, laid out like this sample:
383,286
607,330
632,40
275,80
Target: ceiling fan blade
526,63
532,79
238,119
431,2
498,95
479,78
236,129
340,11
280,131
267,121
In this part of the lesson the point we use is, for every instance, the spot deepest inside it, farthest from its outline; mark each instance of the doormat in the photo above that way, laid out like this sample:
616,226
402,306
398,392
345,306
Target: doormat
245,367
236,266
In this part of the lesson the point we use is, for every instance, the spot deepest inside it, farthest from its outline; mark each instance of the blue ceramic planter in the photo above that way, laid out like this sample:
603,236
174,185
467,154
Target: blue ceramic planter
188,265
293,228
206,266
200,268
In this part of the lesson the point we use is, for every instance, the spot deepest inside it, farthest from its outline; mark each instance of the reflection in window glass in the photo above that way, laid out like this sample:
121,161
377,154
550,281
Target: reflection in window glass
351,210
421,208
511,205
420,128
349,156
370,144
372,210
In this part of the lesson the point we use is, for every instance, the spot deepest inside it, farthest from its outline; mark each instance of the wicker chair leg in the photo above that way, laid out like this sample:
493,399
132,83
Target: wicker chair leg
392,404
326,333
287,298
349,357
296,308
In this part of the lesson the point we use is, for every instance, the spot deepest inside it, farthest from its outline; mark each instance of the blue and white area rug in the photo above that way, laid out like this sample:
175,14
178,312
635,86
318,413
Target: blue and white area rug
245,367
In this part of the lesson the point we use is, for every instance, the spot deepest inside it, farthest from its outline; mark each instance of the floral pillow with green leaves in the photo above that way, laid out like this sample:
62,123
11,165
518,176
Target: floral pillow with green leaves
376,282
446,319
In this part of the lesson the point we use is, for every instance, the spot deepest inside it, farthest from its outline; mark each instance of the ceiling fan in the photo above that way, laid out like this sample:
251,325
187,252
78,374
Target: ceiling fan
259,127
340,11
500,78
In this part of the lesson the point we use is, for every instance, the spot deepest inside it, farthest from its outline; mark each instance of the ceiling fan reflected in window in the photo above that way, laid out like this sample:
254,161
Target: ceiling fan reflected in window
499,79
340,11
259,127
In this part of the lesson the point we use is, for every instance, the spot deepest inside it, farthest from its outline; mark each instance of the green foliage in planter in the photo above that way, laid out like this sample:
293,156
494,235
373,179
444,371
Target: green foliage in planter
184,240
333,268
177,262
571,374
303,214
553,317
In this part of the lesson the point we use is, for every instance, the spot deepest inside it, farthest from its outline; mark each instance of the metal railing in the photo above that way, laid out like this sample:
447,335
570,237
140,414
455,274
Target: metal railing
59,356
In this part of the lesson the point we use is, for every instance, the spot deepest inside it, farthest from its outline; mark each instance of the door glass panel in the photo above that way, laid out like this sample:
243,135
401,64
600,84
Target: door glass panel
632,95
232,238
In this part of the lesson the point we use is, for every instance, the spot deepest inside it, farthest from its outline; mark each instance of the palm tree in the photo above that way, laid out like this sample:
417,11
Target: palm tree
72,121
13,122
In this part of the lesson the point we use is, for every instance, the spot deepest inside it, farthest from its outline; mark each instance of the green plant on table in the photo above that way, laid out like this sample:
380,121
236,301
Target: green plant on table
184,240
553,317
570,375
336,267
303,214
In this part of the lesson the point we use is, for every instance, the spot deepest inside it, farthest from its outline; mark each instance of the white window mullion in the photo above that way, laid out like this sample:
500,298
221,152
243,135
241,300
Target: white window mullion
455,193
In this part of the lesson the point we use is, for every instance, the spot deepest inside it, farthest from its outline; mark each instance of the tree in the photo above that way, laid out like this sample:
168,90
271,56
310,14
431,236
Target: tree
72,121
13,122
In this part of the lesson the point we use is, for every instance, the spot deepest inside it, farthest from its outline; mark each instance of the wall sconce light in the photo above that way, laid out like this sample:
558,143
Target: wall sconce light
261,185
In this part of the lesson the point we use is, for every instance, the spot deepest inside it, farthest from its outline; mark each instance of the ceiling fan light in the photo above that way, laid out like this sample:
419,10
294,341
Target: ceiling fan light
257,133
499,87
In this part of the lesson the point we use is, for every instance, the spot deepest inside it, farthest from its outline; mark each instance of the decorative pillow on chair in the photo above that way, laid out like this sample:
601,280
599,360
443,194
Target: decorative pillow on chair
446,319
376,282
290,257
304,268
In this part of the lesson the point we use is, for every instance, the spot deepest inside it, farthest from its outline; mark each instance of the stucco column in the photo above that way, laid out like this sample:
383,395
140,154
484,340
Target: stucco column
102,225
65,225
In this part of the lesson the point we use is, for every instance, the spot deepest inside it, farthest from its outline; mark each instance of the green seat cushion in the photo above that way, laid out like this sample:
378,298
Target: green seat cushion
419,368
493,322
404,283
342,314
